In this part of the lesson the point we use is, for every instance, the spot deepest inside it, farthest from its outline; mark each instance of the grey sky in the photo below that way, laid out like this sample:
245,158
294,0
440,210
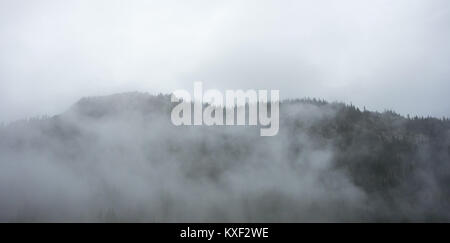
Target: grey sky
382,54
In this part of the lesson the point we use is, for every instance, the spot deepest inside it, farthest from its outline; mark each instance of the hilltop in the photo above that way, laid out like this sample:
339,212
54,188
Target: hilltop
119,157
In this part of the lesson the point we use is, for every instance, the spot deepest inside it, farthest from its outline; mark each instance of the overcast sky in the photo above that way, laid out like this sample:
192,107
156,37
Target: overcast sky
386,54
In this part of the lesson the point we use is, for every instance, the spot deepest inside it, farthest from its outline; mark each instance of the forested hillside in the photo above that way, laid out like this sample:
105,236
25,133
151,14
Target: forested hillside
119,158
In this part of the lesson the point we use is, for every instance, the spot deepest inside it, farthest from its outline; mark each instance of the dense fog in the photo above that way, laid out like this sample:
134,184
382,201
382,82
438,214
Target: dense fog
120,159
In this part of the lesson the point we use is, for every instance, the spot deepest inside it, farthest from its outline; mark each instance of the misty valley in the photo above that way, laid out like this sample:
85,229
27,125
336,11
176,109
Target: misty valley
119,158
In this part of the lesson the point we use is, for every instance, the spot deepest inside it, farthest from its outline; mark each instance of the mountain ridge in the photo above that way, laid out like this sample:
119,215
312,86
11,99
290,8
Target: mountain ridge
329,162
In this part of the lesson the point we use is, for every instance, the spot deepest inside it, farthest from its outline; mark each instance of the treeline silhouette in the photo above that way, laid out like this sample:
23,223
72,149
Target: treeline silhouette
329,162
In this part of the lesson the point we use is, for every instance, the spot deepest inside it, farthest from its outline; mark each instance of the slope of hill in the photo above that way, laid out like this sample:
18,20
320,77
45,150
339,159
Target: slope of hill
119,158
